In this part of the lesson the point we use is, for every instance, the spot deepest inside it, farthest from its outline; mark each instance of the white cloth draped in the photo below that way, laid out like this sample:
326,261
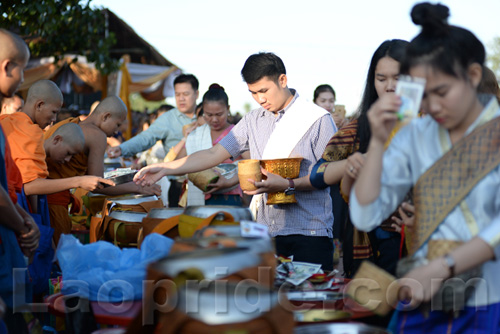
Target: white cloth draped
199,139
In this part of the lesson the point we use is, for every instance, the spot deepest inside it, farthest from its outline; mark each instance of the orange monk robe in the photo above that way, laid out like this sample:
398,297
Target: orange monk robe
59,202
14,179
26,144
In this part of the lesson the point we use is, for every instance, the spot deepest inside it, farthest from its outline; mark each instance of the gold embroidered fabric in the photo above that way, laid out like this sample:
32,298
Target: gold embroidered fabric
441,188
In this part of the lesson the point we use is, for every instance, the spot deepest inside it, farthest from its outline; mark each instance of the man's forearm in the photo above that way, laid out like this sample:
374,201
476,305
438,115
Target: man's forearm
198,161
303,184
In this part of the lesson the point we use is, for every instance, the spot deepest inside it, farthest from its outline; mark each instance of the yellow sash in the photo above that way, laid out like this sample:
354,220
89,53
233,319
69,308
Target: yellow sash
443,186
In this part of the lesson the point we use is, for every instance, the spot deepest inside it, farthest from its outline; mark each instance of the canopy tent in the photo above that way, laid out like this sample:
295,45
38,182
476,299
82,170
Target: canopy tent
143,69
151,80
154,82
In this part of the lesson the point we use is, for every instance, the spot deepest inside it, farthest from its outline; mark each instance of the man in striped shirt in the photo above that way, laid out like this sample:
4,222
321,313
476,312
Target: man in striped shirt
303,229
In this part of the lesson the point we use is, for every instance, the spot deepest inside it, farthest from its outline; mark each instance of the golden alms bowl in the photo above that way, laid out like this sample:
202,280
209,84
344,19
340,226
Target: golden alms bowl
287,168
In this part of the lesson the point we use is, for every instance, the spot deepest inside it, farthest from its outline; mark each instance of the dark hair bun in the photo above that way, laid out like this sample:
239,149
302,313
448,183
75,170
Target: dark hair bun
216,86
432,18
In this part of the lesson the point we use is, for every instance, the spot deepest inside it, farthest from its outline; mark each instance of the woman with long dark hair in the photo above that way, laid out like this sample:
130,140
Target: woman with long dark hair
380,246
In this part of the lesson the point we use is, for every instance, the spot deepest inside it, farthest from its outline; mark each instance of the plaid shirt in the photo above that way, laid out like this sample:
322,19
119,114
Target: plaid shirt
312,214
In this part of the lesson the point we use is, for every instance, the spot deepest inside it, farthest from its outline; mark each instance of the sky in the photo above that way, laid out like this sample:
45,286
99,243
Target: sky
320,41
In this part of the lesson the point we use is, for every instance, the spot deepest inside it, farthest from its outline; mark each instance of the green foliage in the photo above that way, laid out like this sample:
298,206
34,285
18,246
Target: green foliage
58,27
494,56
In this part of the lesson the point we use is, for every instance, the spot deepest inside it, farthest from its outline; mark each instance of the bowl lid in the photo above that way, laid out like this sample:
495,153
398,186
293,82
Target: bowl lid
128,216
213,263
204,211
165,213
223,302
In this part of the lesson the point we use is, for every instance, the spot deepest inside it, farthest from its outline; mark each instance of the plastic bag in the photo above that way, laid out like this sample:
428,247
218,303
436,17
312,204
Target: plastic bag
103,272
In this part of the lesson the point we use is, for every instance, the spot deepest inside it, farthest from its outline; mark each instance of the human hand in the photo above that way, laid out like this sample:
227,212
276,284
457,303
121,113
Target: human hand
153,189
407,214
271,183
420,284
91,182
136,165
188,129
149,175
382,116
221,183
29,241
114,152
339,120
354,164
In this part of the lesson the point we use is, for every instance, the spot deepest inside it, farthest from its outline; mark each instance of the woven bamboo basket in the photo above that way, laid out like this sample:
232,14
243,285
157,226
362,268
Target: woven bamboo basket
249,169
374,289
287,168
203,179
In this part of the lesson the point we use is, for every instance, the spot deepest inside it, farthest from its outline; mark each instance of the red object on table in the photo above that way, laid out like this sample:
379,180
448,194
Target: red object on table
120,314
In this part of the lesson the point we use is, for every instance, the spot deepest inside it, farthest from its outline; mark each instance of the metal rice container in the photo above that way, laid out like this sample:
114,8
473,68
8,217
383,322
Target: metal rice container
128,216
238,213
133,199
340,328
225,302
206,262
164,213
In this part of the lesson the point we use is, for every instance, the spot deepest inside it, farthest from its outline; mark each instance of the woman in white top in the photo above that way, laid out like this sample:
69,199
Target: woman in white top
215,113
451,60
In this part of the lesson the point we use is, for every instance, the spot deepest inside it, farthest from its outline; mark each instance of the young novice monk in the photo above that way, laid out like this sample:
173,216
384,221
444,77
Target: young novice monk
18,232
103,122
24,134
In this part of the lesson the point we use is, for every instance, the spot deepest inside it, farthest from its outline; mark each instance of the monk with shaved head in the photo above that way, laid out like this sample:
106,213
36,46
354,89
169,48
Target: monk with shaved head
103,122
19,233
10,105
14,56
26,138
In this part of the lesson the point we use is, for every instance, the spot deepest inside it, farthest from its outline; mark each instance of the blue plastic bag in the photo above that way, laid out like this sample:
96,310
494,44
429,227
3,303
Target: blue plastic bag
103,272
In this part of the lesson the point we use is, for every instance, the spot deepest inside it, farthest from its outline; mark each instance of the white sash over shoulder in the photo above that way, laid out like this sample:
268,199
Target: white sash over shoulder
294,124
291,128
199,139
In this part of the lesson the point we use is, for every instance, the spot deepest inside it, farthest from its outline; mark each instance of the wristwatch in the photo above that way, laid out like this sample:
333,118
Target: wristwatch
450,263
291,187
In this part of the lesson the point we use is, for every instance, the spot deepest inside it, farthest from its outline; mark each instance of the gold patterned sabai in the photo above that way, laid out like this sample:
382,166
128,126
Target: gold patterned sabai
443,186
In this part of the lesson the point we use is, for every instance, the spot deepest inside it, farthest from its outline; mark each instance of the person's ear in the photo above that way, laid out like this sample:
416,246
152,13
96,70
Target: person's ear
475,74
197,94
57,139
39,104
106,116
4,67
283,80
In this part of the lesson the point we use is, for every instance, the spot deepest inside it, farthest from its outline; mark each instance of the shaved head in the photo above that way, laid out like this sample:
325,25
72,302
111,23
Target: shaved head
14,56
12,47
113,105
43,102
44,90
72,134
65,142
